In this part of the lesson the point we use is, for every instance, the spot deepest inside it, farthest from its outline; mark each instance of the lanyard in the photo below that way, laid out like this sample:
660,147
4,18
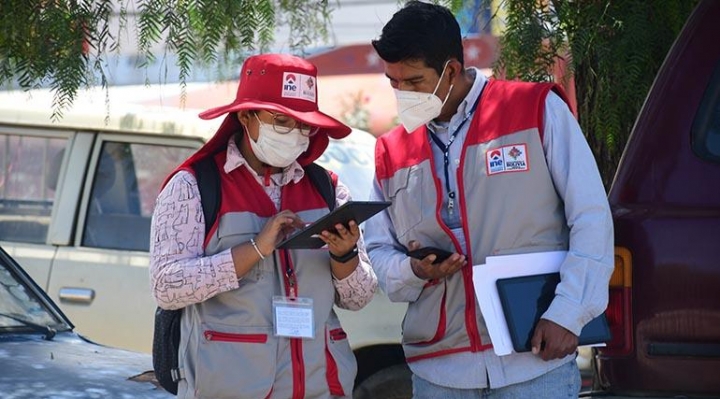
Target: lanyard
445,148
290,278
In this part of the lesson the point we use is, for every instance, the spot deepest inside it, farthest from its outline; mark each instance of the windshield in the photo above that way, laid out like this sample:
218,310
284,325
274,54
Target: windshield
20,308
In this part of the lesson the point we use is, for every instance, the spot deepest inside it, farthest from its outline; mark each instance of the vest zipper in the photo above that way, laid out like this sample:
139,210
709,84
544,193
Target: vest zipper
471,327
337,334
298,366
230,337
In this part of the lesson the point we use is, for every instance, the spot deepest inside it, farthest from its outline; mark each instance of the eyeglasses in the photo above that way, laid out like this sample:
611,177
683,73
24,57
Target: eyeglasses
284,124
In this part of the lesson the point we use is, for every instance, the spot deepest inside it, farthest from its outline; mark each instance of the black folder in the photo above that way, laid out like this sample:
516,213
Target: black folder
359,211
524,299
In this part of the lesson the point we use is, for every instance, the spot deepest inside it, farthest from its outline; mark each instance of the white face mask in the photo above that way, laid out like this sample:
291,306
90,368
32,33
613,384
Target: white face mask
416,108
279,150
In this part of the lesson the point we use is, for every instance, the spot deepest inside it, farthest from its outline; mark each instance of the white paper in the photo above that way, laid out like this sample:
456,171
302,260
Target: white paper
496,267
293,317
293,322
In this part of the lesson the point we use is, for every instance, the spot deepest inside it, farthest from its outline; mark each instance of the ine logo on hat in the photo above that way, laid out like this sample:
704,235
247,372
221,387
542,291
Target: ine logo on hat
298,85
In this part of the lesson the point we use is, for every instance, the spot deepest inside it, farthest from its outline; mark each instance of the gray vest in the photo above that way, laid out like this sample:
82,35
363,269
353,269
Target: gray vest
227,346
506,209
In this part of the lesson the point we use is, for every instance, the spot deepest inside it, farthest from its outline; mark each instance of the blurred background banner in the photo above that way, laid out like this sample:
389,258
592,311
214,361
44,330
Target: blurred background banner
474,17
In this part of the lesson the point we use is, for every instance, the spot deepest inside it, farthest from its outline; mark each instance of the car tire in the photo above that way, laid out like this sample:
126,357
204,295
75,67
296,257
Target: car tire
393,382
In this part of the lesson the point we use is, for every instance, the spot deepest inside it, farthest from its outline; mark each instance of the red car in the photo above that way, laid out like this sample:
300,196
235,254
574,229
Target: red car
665,293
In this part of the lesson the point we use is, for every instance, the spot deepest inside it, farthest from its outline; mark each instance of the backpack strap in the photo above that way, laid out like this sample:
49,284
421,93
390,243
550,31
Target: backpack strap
166,334
321,179
208,180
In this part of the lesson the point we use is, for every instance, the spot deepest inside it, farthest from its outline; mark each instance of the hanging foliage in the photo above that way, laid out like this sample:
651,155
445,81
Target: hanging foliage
614,50
64,44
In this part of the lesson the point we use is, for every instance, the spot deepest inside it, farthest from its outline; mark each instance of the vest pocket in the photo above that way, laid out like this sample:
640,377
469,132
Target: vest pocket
229,237
425,318
234,228
228,337
340,362
235,362
406,191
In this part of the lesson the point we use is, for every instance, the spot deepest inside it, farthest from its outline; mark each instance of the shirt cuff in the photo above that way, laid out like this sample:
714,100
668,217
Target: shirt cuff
567,314
407,286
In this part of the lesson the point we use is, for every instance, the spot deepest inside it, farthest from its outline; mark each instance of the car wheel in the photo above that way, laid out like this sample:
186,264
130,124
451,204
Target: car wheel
393,382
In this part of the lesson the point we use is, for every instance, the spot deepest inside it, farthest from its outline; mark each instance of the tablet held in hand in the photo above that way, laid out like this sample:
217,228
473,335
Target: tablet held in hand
359,211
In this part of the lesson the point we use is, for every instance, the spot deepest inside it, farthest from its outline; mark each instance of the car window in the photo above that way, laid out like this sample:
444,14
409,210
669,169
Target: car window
29,169
706,127
127,180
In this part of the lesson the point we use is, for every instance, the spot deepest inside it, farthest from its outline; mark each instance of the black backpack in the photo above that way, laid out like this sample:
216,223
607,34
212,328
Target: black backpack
166,336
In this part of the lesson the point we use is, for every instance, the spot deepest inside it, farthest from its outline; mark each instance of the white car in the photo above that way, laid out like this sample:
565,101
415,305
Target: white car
75,209
41,357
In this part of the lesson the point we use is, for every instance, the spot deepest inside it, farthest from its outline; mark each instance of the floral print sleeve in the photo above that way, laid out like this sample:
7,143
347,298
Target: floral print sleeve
356,290
180,273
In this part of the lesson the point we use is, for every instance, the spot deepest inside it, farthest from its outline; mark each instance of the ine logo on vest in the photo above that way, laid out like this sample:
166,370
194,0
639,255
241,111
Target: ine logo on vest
510,158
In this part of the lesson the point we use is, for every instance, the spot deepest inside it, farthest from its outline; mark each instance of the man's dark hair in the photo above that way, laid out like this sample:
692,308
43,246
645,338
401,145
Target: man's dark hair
421,31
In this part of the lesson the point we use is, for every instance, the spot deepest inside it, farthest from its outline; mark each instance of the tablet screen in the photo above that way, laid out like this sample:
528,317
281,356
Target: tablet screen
359,211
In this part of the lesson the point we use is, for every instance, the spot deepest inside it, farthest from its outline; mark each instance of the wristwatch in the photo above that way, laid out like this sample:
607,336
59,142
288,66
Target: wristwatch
344,258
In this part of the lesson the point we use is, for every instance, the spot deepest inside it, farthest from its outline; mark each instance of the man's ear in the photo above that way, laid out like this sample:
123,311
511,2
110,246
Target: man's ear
454,69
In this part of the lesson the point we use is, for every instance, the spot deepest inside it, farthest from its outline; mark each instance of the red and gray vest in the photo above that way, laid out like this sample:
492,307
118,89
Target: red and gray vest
227,346
507,201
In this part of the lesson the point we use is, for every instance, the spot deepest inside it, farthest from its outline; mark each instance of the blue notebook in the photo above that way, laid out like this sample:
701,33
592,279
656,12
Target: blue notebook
524,299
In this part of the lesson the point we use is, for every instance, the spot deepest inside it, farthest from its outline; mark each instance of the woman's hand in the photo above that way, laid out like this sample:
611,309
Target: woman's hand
275,230
343,240
342,244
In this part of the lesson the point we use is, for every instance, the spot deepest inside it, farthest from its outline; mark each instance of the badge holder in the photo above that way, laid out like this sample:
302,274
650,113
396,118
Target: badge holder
293,317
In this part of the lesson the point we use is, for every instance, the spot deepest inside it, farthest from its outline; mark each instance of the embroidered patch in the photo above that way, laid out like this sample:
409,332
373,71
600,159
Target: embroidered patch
298,85
510,158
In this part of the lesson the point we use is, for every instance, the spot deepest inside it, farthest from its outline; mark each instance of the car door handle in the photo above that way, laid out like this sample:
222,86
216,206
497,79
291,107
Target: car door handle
76,295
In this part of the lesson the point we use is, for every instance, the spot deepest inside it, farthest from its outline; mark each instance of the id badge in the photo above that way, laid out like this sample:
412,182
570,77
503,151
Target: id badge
293,317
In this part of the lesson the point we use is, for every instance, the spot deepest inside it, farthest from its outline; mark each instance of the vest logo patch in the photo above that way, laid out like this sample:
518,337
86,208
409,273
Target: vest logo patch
298,85
510,158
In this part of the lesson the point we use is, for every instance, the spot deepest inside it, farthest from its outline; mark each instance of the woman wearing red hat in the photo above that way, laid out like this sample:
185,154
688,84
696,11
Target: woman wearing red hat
258,322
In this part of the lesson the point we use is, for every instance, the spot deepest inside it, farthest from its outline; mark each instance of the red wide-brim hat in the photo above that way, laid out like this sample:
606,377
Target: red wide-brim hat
281,83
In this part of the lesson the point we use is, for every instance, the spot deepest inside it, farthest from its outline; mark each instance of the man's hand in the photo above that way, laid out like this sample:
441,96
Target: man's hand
425,269
552,341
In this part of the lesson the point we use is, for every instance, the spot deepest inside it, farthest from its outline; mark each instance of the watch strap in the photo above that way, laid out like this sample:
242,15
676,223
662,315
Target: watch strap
345,258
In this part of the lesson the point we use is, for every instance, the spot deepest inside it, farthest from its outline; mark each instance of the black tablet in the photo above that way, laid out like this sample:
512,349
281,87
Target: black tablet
359,211
524,299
